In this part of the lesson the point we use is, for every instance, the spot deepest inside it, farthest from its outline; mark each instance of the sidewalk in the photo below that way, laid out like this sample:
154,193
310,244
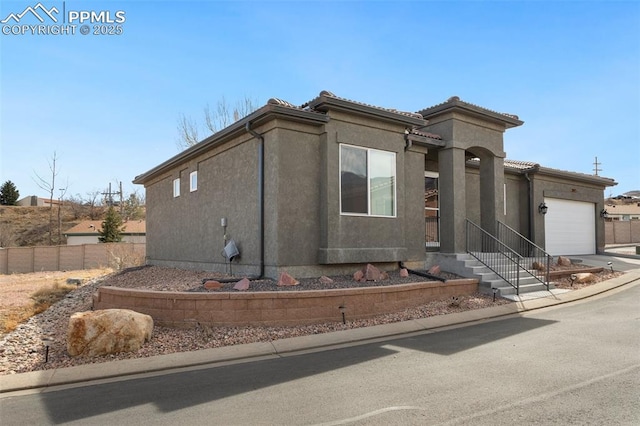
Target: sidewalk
279,348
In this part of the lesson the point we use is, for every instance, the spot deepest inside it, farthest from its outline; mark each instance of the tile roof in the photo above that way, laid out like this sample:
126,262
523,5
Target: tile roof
521,166
89,227
619,209
455,100
326,93
425,134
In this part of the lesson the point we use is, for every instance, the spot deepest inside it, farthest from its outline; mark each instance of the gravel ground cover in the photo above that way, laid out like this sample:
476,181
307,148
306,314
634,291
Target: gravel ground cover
22,350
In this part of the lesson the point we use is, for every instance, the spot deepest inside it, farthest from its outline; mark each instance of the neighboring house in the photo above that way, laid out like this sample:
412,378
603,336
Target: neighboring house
34,201
325,187
623,211
87,232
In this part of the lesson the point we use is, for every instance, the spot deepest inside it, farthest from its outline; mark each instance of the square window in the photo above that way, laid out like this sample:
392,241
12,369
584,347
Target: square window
367,181
176,187
193,181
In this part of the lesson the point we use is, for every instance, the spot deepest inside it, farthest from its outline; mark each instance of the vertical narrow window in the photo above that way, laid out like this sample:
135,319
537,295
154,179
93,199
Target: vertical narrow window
367,181
193,181
382,176
176,187
431,209
353,180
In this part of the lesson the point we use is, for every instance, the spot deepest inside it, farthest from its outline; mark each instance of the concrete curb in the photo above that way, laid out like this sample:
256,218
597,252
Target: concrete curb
295,345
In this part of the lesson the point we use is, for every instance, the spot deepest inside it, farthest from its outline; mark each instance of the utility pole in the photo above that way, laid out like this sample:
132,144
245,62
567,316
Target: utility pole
596,169
109,195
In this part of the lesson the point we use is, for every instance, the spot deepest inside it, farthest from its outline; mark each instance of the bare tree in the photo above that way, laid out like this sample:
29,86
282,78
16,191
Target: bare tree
7,235
49,186
94,204
214,120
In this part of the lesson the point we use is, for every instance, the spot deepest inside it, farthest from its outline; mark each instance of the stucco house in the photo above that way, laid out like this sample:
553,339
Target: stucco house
87,232
322,188
623,212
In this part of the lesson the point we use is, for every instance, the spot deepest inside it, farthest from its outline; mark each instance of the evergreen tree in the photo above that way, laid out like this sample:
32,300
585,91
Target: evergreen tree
8,194
112,228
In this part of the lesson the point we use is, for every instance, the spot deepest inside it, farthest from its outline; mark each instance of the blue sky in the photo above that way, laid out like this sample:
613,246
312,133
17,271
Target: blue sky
108,105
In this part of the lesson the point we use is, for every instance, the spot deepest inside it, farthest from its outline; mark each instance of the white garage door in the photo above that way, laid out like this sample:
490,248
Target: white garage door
569,227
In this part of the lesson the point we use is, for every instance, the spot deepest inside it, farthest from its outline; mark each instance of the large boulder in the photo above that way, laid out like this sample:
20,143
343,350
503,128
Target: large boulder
585,277
107,331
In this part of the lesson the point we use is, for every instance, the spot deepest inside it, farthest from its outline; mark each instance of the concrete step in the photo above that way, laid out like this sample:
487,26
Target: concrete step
488,279
503,288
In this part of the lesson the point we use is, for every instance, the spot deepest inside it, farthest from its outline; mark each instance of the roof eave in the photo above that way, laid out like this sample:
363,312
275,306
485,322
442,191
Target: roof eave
599,180
325,103
425,141
261,115
454,104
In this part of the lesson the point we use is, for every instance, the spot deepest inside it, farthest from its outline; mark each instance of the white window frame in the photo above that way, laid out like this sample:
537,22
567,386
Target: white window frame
176,188
394,176
193,181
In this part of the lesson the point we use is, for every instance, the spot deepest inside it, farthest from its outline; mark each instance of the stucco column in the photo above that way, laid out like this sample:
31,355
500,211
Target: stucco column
491,192
453,211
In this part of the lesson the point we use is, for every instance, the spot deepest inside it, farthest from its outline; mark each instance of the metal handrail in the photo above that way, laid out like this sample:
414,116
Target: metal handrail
538,260
494,254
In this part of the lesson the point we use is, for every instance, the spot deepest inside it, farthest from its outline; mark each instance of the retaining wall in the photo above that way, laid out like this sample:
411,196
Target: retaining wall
186,309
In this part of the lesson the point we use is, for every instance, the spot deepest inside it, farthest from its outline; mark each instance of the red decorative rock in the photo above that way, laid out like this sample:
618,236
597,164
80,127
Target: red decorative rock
212,285
404,273
242,285
359,276
435,270
371,273
564,261
325,280
287,280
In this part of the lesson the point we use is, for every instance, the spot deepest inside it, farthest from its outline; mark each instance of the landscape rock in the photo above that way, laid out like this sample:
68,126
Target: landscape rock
325,280
242,285
371,273
435,270
585,277
404,273
359,276
74,281
213,285
538,266
287,280
107,331
564,261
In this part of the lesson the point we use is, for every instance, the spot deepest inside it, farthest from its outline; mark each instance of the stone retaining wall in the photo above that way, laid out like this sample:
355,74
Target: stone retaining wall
185,309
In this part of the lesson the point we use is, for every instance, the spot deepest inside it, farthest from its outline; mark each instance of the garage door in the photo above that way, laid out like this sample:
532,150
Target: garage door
569,227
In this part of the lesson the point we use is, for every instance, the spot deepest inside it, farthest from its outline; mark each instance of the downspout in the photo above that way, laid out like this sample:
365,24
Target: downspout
530,204
407,141
260,193
261,210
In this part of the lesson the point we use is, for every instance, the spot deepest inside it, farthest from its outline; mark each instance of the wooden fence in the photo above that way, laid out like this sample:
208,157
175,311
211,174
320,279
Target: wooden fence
22,260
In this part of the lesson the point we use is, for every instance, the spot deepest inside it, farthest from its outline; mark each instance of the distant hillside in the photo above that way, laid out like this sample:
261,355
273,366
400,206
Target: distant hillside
29,226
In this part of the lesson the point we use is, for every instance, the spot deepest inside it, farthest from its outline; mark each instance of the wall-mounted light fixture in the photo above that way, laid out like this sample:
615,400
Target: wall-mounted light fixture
542,208
604,214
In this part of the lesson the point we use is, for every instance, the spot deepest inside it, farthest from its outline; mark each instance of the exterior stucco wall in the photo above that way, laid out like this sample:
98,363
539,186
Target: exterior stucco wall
348,239
186,231
292,200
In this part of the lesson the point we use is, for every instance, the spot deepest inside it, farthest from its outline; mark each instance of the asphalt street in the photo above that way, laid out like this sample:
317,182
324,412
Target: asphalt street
577,363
